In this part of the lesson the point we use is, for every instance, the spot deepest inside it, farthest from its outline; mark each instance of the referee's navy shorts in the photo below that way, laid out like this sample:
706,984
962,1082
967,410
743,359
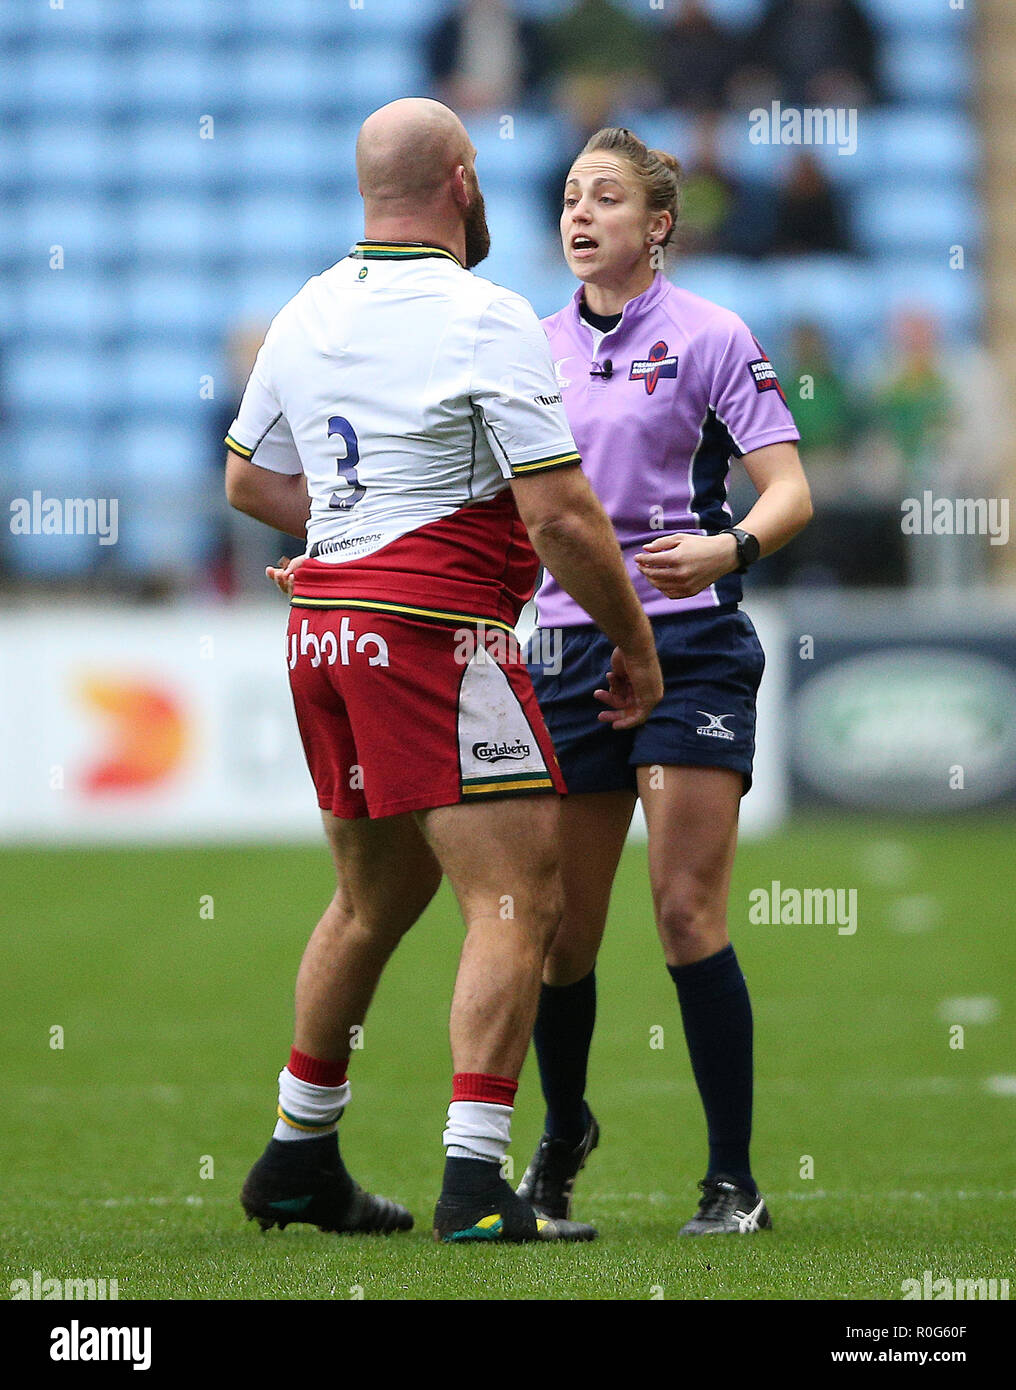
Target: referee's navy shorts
712,664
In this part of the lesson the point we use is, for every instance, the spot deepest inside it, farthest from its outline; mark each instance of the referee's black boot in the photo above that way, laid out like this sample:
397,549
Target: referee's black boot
725,1209
550,1178
306,1180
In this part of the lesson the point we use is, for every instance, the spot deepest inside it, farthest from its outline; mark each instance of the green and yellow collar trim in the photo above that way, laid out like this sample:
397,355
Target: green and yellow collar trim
401,251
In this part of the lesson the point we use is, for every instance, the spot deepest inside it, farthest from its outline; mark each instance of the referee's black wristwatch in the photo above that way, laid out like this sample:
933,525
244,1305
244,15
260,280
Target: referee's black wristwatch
747,547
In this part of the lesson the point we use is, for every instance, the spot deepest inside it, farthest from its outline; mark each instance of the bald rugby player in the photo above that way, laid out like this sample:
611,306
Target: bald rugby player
411,409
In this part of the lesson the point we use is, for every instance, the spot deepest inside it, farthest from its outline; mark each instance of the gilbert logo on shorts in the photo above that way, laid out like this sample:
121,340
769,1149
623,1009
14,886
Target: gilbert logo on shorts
716,727
498,752
650,369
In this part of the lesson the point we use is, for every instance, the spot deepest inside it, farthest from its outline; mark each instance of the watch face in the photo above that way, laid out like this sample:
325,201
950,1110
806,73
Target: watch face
747,548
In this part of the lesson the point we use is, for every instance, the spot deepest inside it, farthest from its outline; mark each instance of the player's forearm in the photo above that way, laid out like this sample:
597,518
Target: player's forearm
581,551
782,510
278,499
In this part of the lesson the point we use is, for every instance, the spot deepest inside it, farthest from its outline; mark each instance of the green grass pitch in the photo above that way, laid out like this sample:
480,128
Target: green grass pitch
123,1151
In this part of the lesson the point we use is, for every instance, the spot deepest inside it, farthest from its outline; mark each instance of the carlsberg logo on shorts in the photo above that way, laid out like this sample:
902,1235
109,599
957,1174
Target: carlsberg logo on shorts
497,752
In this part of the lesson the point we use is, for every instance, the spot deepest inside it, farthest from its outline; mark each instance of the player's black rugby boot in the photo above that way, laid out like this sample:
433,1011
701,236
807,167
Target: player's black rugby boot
306,1180
497,1214
726,1209
550,1177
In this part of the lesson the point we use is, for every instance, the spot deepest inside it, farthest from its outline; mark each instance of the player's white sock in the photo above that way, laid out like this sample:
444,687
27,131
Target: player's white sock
477,1129
480,1116
306,1110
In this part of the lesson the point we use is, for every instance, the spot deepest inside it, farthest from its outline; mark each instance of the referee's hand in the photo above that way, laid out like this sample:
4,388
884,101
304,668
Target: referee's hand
634,689
683,565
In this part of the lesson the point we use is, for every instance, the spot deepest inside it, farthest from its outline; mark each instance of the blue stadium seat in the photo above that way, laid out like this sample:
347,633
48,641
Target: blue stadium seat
912,216
165,447
744,288
166,304
72,154
72,306
168,152
397,19
53,556
182,230
914,143
283,152
511,149
64,381
285,78
928,70
737,13
956,296
86,228
518,241
372,73
921,17
177,457
79,19
70,77
839,293
335,224
265,225
190,20
175,77
163,379
400,21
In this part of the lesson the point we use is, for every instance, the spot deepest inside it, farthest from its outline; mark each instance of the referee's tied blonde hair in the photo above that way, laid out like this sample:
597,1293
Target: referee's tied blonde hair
658,173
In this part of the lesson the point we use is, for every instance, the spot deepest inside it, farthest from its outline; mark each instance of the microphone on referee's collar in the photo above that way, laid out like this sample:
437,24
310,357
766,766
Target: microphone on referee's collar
606,370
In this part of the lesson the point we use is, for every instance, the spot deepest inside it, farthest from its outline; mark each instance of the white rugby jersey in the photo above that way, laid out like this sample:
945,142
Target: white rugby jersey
409,391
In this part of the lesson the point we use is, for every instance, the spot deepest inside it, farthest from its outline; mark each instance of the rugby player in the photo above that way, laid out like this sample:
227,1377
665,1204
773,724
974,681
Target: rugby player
662,389
412,406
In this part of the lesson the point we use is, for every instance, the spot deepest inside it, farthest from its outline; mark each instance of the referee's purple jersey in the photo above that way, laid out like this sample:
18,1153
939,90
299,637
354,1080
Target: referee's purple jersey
687,389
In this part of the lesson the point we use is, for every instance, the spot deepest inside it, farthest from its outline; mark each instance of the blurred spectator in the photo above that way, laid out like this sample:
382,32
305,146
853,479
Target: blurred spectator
484,57
598,43
720,213
694,57
911,406
242,547
809,211
811,52
586,106
823,407
940,421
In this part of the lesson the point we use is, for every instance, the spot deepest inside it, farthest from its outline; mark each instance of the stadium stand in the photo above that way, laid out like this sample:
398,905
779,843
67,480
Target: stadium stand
168,239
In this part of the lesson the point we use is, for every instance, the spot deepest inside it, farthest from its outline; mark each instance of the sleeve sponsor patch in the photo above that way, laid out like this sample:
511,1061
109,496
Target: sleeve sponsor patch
763,374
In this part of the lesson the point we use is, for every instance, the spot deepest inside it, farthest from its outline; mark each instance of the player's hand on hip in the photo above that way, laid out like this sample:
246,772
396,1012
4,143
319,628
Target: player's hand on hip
680,566
284,573
634,688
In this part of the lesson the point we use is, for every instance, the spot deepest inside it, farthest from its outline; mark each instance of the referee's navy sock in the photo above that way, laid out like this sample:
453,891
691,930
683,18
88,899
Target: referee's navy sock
563,1033
716,1013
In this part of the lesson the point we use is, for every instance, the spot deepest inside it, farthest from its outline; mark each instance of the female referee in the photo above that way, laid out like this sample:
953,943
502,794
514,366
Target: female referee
662,390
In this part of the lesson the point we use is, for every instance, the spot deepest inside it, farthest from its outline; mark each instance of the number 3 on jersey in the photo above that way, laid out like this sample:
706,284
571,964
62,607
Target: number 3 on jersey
343,501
